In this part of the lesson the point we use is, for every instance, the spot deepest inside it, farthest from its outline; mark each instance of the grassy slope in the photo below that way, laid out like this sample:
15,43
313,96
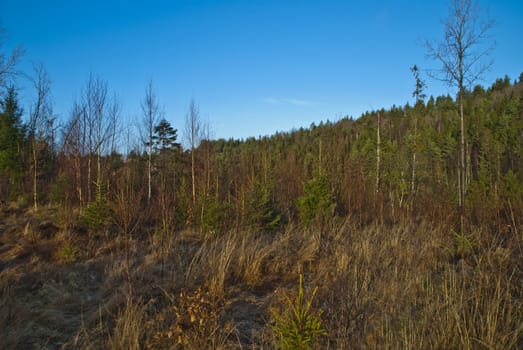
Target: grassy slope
413,285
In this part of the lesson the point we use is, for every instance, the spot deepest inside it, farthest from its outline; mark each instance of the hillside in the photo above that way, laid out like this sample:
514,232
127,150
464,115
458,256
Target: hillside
365,210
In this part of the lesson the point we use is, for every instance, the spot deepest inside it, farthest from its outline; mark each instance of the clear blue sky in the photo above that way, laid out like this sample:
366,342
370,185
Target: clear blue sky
253,67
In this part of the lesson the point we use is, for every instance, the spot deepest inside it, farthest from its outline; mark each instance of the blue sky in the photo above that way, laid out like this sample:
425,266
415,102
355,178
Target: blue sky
253,67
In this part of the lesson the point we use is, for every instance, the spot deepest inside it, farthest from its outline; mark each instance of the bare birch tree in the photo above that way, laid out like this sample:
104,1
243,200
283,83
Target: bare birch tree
193,128
91,133
461,54
151,114
73,146
8,62
101,113
40,115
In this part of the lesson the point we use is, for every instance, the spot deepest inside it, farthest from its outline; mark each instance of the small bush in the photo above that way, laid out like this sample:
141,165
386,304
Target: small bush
192,323
66,253
464,246
262,214
298,327
317,204
57,190
96,217
213,217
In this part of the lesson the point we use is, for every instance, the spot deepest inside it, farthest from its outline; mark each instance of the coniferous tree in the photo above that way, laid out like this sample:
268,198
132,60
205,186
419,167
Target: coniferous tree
262,213
317,204
12,140
164,137
166,150
419,96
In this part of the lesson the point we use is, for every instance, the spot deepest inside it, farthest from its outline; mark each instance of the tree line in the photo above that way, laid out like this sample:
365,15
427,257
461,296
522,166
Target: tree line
307,175
404,162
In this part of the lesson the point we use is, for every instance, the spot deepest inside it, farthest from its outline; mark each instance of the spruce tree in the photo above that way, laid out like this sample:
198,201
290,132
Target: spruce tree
12,132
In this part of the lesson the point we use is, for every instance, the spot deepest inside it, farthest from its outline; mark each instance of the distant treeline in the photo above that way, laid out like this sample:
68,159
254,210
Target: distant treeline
388,165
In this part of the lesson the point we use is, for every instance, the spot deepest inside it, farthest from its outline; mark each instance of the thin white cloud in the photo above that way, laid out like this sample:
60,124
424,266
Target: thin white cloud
271,101
297,102
288,101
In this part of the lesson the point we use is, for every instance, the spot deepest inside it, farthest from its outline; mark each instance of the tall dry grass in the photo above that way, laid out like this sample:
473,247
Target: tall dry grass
408,285
129,330
405,287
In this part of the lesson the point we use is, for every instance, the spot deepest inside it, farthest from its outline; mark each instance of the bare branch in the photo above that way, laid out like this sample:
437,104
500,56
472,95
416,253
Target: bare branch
462,51
41,109
8,62
193,125
151,114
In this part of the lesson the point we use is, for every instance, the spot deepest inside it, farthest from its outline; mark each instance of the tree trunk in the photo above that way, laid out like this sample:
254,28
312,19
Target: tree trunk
78,173
320,159
378,156
463,168
35,173
193,178
413,181
99,174
149,191
89,178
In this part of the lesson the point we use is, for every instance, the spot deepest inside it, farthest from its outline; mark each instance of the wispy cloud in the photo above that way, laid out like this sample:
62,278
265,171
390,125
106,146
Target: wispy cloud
288,101
271,101
297,102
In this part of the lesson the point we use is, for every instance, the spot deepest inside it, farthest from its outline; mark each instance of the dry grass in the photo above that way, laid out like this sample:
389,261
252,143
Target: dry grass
405,286
128,332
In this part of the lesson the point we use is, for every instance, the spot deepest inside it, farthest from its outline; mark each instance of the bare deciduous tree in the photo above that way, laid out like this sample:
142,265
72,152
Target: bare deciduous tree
40,115
193,128
461,54
8,62
206,146
101,113
74,146
89,134
151,114
128,214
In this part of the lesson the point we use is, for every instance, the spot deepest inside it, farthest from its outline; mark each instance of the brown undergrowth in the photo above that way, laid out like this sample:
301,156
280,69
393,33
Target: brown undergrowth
408,286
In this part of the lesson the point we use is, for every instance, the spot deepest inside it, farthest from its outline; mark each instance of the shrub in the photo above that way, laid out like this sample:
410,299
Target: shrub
193,322
263,215
298,327
96,216
317,203
464,246
213,216
67,253
57,190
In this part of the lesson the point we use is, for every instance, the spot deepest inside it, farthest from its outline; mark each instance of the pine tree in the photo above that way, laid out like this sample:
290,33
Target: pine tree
165,137
263,215
12,133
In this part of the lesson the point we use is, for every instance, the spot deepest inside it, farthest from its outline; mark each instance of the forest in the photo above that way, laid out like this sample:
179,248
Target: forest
311,176
398,229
